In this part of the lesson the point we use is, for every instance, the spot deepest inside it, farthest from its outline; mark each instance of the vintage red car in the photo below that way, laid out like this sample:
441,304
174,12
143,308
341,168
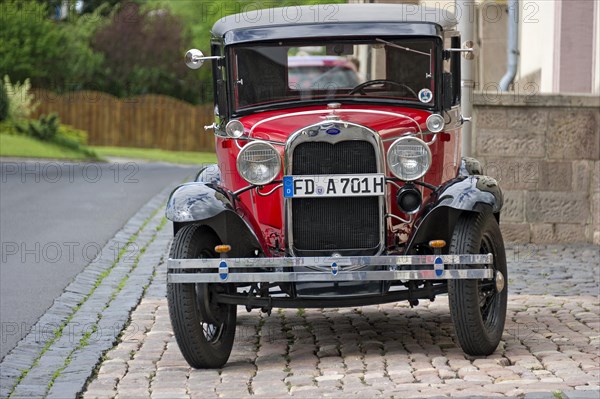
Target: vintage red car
329,196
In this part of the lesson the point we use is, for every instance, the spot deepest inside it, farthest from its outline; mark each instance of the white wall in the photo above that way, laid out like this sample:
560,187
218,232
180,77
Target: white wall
537,41
596,69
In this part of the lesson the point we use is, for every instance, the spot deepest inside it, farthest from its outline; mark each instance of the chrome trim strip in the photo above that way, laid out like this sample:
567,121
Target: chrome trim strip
337,111
348,131
382,275
252,139
392,216
327,261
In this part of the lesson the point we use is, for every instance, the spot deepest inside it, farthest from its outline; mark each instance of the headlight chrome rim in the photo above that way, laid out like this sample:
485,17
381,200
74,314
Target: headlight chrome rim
408,140
252,146
435,123
234,129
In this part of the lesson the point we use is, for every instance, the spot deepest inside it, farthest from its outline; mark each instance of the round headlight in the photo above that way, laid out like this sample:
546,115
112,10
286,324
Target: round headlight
234,129
258,163
435,123
409,158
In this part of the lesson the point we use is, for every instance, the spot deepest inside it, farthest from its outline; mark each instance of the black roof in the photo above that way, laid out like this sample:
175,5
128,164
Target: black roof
333,20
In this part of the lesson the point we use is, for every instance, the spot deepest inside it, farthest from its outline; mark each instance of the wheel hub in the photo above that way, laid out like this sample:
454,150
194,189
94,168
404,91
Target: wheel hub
500,282
210,310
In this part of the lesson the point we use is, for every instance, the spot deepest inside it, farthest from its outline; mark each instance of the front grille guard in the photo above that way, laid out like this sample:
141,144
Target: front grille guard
276,270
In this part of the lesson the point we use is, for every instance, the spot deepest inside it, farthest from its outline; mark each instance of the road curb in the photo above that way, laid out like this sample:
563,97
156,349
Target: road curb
62,349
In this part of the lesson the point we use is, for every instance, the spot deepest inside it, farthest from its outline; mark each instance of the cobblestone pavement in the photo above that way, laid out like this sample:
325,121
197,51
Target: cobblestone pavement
550,347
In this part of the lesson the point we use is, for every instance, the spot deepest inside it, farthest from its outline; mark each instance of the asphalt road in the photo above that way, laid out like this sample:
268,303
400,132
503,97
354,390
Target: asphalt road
55,216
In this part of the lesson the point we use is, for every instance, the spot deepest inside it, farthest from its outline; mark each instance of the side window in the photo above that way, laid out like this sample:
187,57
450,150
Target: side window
452,72
456,84
220,85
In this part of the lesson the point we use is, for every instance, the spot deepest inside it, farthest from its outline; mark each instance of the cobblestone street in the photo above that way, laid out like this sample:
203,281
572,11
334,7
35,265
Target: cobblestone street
550,347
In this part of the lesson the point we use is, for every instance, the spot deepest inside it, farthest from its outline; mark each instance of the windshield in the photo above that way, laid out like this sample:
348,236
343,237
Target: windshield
391,69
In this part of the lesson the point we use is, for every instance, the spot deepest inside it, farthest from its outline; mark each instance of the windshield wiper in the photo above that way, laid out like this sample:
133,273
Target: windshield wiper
402,47
410,50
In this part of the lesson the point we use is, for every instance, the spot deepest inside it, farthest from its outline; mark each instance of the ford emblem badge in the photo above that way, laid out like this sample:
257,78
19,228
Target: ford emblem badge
332,131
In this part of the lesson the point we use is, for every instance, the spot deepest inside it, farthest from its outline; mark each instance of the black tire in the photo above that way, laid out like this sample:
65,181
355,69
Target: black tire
478,310
203,343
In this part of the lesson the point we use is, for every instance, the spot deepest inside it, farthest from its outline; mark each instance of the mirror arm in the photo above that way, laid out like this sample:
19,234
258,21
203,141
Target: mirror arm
211,57
460,50
194,58
467,48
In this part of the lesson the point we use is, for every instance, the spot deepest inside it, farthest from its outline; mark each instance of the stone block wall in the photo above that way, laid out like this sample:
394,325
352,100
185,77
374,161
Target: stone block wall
545,151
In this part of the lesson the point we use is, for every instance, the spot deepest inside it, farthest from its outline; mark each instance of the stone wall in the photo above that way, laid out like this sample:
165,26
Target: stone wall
544,150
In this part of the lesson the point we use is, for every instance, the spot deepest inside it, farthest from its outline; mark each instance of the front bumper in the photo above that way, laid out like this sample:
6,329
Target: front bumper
329,269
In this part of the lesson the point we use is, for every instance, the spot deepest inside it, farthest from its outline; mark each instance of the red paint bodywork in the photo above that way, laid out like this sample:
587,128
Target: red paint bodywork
266,212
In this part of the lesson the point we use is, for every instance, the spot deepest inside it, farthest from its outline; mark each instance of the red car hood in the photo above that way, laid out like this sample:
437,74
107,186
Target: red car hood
387,125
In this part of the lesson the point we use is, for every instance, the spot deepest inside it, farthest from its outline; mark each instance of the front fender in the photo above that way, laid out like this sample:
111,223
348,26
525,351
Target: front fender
469,193
474,193
195,201
200,203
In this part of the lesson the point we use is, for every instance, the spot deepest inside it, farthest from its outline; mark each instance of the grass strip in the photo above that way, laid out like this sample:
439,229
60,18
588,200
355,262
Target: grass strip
27,147
155,154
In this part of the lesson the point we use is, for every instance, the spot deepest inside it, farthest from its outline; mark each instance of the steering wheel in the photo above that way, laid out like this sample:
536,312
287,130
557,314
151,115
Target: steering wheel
360,87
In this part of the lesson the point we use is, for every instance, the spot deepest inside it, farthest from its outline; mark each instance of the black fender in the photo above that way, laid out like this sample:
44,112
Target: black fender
471,193
209,174
196,201
206,204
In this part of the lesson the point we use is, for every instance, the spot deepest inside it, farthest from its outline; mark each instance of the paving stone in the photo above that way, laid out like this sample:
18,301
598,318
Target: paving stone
540,395
550,344
569,394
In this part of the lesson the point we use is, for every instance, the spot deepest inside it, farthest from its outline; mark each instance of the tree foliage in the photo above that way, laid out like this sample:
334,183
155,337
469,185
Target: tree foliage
123,47
199,18
29,42
142,51
51,54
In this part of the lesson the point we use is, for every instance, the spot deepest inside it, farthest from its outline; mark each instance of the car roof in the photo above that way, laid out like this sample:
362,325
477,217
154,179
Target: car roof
274,23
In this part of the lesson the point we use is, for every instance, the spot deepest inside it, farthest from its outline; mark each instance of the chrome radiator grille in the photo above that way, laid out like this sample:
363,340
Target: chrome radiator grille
327,225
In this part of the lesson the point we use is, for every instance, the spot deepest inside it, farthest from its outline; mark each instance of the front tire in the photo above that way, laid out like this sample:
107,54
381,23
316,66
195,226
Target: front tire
203,328
478,307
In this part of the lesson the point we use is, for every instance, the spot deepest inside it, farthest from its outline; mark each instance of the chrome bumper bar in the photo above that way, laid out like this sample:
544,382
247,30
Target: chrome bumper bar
243,270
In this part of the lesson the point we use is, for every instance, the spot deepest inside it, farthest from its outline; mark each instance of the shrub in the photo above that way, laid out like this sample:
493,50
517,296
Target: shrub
21,102
73,134
3,103
49,129
44,129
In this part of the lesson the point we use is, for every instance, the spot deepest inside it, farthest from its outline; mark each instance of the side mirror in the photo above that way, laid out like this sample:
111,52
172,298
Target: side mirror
467,49
195,58
469,52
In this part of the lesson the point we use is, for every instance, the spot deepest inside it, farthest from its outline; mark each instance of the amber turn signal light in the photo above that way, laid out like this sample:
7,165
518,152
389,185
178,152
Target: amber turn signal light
222,249
437,243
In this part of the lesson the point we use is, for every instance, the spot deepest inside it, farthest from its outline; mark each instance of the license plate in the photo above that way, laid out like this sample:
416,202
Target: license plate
333,186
